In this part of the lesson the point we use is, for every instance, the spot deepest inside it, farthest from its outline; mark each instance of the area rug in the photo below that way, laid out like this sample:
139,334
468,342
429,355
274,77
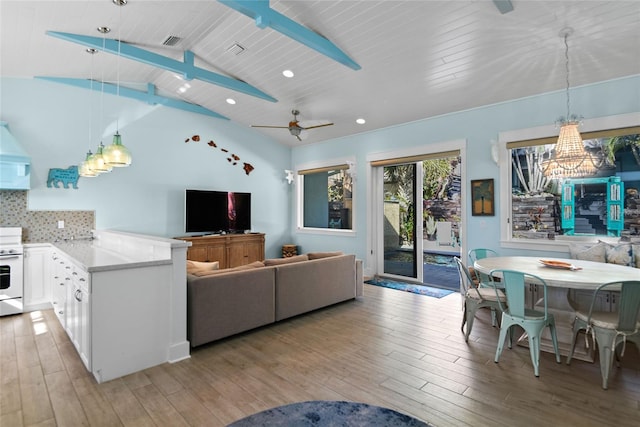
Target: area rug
323,413
411,287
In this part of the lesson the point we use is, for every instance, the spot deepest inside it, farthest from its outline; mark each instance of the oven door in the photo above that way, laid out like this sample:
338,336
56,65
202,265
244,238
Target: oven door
11,284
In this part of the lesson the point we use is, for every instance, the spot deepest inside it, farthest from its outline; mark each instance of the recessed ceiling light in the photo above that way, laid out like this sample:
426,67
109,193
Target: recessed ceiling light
231,101
361,121
104,30
288,73
91,50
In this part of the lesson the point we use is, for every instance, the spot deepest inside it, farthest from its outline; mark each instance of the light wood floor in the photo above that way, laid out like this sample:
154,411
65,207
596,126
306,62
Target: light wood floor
390,348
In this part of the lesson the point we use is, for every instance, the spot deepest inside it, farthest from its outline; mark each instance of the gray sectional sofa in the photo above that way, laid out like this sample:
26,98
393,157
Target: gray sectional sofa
226,302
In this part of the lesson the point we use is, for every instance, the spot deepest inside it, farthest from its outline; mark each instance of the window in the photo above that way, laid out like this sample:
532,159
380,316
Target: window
604,204
326,198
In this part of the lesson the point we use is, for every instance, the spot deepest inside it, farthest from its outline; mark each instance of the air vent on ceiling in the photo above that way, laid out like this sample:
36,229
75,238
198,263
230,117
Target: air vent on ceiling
171,41
236,48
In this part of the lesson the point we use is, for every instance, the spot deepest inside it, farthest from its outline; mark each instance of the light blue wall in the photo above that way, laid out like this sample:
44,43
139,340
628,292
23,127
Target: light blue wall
52,120
478,126
52,123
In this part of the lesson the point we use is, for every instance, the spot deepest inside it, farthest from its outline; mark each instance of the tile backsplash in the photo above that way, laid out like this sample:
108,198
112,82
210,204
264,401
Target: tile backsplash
42,226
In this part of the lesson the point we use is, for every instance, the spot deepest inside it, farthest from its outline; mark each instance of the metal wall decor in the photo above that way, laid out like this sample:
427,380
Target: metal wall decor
66,177
233,159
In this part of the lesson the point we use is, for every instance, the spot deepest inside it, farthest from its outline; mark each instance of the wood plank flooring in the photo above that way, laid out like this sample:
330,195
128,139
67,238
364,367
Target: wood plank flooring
390,348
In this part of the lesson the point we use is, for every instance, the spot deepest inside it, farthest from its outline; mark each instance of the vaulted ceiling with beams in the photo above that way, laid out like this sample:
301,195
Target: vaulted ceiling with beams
389,62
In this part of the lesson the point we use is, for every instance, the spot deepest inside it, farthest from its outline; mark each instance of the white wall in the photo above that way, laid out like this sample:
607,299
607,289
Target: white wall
52,123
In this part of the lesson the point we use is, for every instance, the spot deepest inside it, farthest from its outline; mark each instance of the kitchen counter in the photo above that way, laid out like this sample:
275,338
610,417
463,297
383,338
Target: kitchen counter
93,258
105,285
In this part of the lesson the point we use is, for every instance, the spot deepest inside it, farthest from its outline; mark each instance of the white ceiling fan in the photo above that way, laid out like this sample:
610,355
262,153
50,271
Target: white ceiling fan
294,127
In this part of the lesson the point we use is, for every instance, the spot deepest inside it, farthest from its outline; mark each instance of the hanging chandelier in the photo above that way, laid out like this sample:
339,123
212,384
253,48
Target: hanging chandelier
569,159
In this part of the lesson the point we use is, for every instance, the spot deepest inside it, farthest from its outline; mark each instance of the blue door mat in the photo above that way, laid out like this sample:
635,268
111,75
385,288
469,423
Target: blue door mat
411,287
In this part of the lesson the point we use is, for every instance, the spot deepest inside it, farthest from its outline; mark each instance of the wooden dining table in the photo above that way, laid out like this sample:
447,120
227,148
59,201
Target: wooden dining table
584,275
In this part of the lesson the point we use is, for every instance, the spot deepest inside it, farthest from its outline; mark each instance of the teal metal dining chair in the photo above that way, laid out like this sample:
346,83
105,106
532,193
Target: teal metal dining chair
481,279
515,313
610,330
475,298
476,254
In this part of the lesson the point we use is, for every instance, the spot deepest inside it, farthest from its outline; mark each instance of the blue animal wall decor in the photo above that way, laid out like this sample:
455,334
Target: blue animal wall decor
64,176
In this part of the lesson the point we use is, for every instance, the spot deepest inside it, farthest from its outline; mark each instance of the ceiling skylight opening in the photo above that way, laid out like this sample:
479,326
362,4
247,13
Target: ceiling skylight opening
231,101
361,121
288,74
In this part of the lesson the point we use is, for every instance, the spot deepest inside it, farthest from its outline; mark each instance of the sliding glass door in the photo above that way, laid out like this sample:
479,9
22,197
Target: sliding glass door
402,248
418,217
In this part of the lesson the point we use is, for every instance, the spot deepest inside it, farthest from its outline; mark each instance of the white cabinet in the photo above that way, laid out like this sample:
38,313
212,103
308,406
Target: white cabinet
78,314
61,279
532,294
37,277
71,303
606,301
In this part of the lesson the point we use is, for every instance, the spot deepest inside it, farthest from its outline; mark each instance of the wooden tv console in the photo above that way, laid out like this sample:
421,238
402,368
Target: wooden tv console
231,250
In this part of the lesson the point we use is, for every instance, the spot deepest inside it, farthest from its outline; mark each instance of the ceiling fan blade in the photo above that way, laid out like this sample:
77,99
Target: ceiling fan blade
273,127
318,126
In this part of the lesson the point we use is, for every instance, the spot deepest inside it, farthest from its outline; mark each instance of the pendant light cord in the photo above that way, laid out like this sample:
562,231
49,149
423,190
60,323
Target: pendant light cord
566,57
118,63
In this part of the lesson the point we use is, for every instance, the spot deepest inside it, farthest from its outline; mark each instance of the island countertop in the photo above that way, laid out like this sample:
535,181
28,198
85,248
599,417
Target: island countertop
93,258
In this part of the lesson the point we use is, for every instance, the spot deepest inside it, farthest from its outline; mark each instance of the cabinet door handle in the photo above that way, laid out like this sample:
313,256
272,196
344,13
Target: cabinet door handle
61,312
78,295
82,279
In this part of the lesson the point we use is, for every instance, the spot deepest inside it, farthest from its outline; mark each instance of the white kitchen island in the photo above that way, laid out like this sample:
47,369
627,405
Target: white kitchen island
121,297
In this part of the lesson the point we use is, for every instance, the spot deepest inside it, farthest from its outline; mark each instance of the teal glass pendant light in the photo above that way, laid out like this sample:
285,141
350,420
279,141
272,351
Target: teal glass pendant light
98,163
116,154
85,170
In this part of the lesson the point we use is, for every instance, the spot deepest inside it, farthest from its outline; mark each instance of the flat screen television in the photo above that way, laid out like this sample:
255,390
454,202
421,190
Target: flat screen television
209,211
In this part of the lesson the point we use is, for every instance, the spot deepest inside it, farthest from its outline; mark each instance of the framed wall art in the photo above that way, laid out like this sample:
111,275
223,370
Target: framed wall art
482,195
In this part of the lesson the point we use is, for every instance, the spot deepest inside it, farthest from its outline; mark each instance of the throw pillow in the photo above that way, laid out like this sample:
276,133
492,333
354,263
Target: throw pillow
255,264
290,260
318,255
193,266
595,252
636,256
620,254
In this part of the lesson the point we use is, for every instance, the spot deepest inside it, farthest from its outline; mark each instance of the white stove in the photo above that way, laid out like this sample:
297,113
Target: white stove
11,270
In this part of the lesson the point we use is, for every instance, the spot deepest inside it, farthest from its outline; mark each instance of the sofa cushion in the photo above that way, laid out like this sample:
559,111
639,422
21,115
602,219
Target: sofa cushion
621,254
318,255
589,252
290,260
202,273
305,286
193,266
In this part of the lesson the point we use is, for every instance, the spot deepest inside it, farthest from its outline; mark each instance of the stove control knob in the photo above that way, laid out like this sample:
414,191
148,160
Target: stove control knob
2,251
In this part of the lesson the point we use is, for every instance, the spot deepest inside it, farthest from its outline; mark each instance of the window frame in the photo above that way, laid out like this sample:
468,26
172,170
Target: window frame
299,202
561,243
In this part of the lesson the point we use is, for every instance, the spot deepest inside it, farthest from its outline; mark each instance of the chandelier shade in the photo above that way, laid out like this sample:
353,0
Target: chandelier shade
116,154
570,159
